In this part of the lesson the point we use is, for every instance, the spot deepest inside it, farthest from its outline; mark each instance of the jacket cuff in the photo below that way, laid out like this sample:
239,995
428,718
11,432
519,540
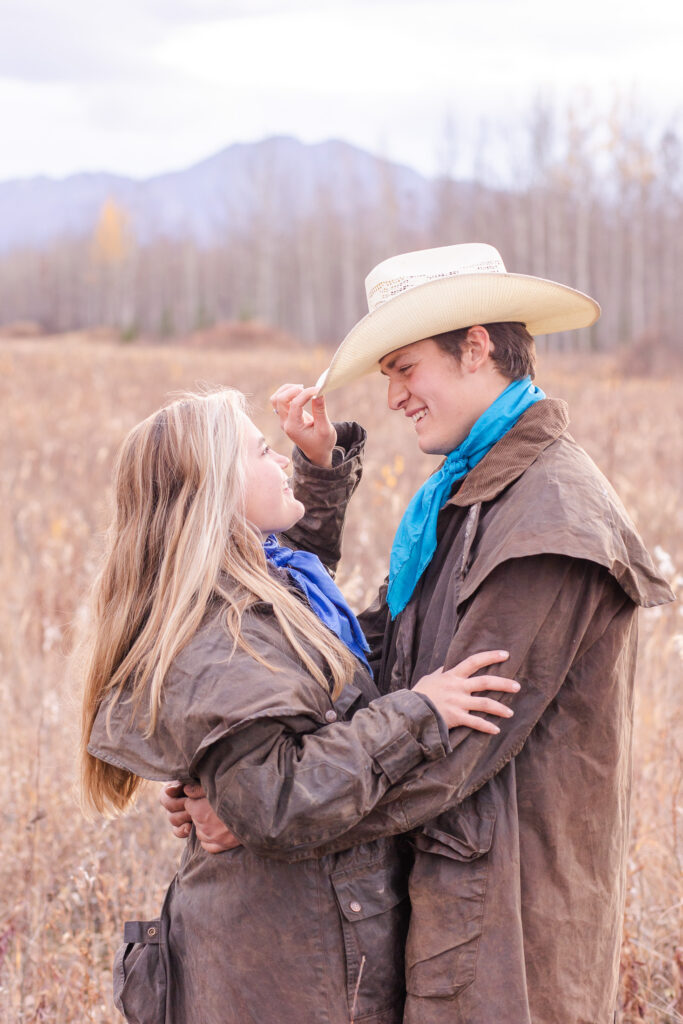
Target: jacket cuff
424,740
350,444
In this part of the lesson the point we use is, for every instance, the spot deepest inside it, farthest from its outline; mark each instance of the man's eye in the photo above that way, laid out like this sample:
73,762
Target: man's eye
404,369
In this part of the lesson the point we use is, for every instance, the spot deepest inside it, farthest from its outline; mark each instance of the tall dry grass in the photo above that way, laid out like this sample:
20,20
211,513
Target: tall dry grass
66,885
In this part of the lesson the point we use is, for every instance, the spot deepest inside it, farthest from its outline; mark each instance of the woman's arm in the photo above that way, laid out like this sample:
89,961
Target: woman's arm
328,464
279,791
574,602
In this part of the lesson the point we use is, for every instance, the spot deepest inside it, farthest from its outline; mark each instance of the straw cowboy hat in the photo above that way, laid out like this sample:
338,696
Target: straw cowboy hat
420,294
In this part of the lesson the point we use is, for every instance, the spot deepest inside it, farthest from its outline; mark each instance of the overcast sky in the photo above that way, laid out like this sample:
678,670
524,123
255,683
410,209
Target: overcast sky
140,87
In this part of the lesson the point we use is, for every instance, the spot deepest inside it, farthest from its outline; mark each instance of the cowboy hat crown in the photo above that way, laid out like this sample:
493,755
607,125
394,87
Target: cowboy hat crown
420,294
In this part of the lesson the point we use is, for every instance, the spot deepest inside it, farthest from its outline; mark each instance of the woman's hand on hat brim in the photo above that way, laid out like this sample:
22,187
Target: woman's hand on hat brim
311,431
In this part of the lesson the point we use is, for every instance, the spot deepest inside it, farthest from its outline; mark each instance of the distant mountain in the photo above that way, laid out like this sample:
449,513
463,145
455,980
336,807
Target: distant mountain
279,178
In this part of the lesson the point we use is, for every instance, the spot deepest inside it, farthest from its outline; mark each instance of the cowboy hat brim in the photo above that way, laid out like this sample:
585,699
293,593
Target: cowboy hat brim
450,303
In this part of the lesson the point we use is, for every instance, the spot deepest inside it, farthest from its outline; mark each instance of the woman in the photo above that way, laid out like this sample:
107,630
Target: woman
210,663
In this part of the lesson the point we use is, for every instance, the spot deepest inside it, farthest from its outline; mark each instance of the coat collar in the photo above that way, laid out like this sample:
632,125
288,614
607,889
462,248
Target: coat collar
538,427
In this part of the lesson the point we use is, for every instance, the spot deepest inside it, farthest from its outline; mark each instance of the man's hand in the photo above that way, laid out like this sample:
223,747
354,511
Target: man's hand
185,805
172,799
214,836
311,431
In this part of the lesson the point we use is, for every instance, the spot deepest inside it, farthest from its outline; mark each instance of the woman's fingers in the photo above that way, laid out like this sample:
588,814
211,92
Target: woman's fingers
475,662
290,397
478,683
284,394
282,399
319,409
479,724
297,417
490,707
311,431
304,396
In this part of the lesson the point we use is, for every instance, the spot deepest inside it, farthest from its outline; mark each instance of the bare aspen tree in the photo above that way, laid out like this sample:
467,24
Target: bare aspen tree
577,196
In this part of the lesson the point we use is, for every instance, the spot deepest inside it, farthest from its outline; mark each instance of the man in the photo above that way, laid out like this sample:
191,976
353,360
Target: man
516,542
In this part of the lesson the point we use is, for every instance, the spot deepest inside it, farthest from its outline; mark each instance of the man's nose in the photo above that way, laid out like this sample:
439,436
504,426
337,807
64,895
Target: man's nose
397,395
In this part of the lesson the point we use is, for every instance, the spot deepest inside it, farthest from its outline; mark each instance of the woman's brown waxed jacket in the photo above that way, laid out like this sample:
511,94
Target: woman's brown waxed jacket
243,938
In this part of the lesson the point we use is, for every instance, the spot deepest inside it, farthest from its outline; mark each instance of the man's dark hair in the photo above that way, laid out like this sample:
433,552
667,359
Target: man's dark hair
514,351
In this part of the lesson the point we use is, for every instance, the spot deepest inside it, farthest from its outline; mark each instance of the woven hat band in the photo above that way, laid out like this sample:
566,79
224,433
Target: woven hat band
400,273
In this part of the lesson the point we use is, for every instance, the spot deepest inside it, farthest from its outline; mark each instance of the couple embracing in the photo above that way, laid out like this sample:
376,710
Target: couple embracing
400,837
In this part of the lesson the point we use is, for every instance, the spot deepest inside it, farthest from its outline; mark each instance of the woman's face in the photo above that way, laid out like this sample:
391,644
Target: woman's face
270,505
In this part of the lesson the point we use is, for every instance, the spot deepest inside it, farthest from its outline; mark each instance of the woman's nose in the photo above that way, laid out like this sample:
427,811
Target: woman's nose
282,459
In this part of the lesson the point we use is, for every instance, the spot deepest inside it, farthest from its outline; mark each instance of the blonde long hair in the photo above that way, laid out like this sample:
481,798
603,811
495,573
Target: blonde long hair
179,539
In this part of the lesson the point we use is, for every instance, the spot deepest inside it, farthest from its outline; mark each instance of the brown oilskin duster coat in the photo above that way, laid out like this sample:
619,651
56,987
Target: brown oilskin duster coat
517,892
244,939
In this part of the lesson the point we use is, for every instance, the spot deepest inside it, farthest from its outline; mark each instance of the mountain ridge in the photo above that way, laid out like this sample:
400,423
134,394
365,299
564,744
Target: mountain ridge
216,197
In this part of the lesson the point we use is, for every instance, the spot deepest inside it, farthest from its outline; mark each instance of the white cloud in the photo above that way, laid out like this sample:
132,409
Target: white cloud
139,86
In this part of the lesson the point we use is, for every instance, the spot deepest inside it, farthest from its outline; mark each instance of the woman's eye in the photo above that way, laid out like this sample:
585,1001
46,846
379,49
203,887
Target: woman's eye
266,449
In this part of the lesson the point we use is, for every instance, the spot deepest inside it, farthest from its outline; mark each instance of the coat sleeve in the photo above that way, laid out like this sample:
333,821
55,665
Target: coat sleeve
325,494
567,606
278,788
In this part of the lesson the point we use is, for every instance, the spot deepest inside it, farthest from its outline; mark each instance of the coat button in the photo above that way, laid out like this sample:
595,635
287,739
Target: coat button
330,716
151,932
355,906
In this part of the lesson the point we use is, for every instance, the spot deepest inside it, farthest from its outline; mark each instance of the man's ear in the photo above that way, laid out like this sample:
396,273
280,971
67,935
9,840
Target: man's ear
477,349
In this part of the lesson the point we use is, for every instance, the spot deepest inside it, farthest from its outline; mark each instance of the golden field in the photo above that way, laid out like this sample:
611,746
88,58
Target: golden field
67,885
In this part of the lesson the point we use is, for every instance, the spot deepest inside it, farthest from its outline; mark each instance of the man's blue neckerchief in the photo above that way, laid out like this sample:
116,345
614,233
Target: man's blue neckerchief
415,541
322,593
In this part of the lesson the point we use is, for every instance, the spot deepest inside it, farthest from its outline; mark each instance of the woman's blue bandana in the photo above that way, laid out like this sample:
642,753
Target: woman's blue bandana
322,593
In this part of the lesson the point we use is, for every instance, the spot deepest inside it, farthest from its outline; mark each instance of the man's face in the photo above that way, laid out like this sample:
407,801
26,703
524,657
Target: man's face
432,388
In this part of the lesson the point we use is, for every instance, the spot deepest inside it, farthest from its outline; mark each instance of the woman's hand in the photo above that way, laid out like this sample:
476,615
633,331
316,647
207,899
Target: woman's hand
311,431
453,692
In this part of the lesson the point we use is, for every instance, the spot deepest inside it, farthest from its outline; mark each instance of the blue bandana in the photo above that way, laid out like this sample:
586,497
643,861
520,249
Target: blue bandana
415,540
322,593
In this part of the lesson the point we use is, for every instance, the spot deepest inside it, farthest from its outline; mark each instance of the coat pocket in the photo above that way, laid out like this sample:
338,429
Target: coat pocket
447,895
141,973
374,913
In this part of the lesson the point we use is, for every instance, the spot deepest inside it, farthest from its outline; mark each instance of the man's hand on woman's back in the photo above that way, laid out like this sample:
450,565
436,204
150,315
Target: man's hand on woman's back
186,805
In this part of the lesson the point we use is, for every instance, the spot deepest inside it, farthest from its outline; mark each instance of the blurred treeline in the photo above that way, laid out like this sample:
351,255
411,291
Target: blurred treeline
594,200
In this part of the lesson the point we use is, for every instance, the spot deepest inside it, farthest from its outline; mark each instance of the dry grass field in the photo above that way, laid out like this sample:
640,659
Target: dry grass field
67,885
